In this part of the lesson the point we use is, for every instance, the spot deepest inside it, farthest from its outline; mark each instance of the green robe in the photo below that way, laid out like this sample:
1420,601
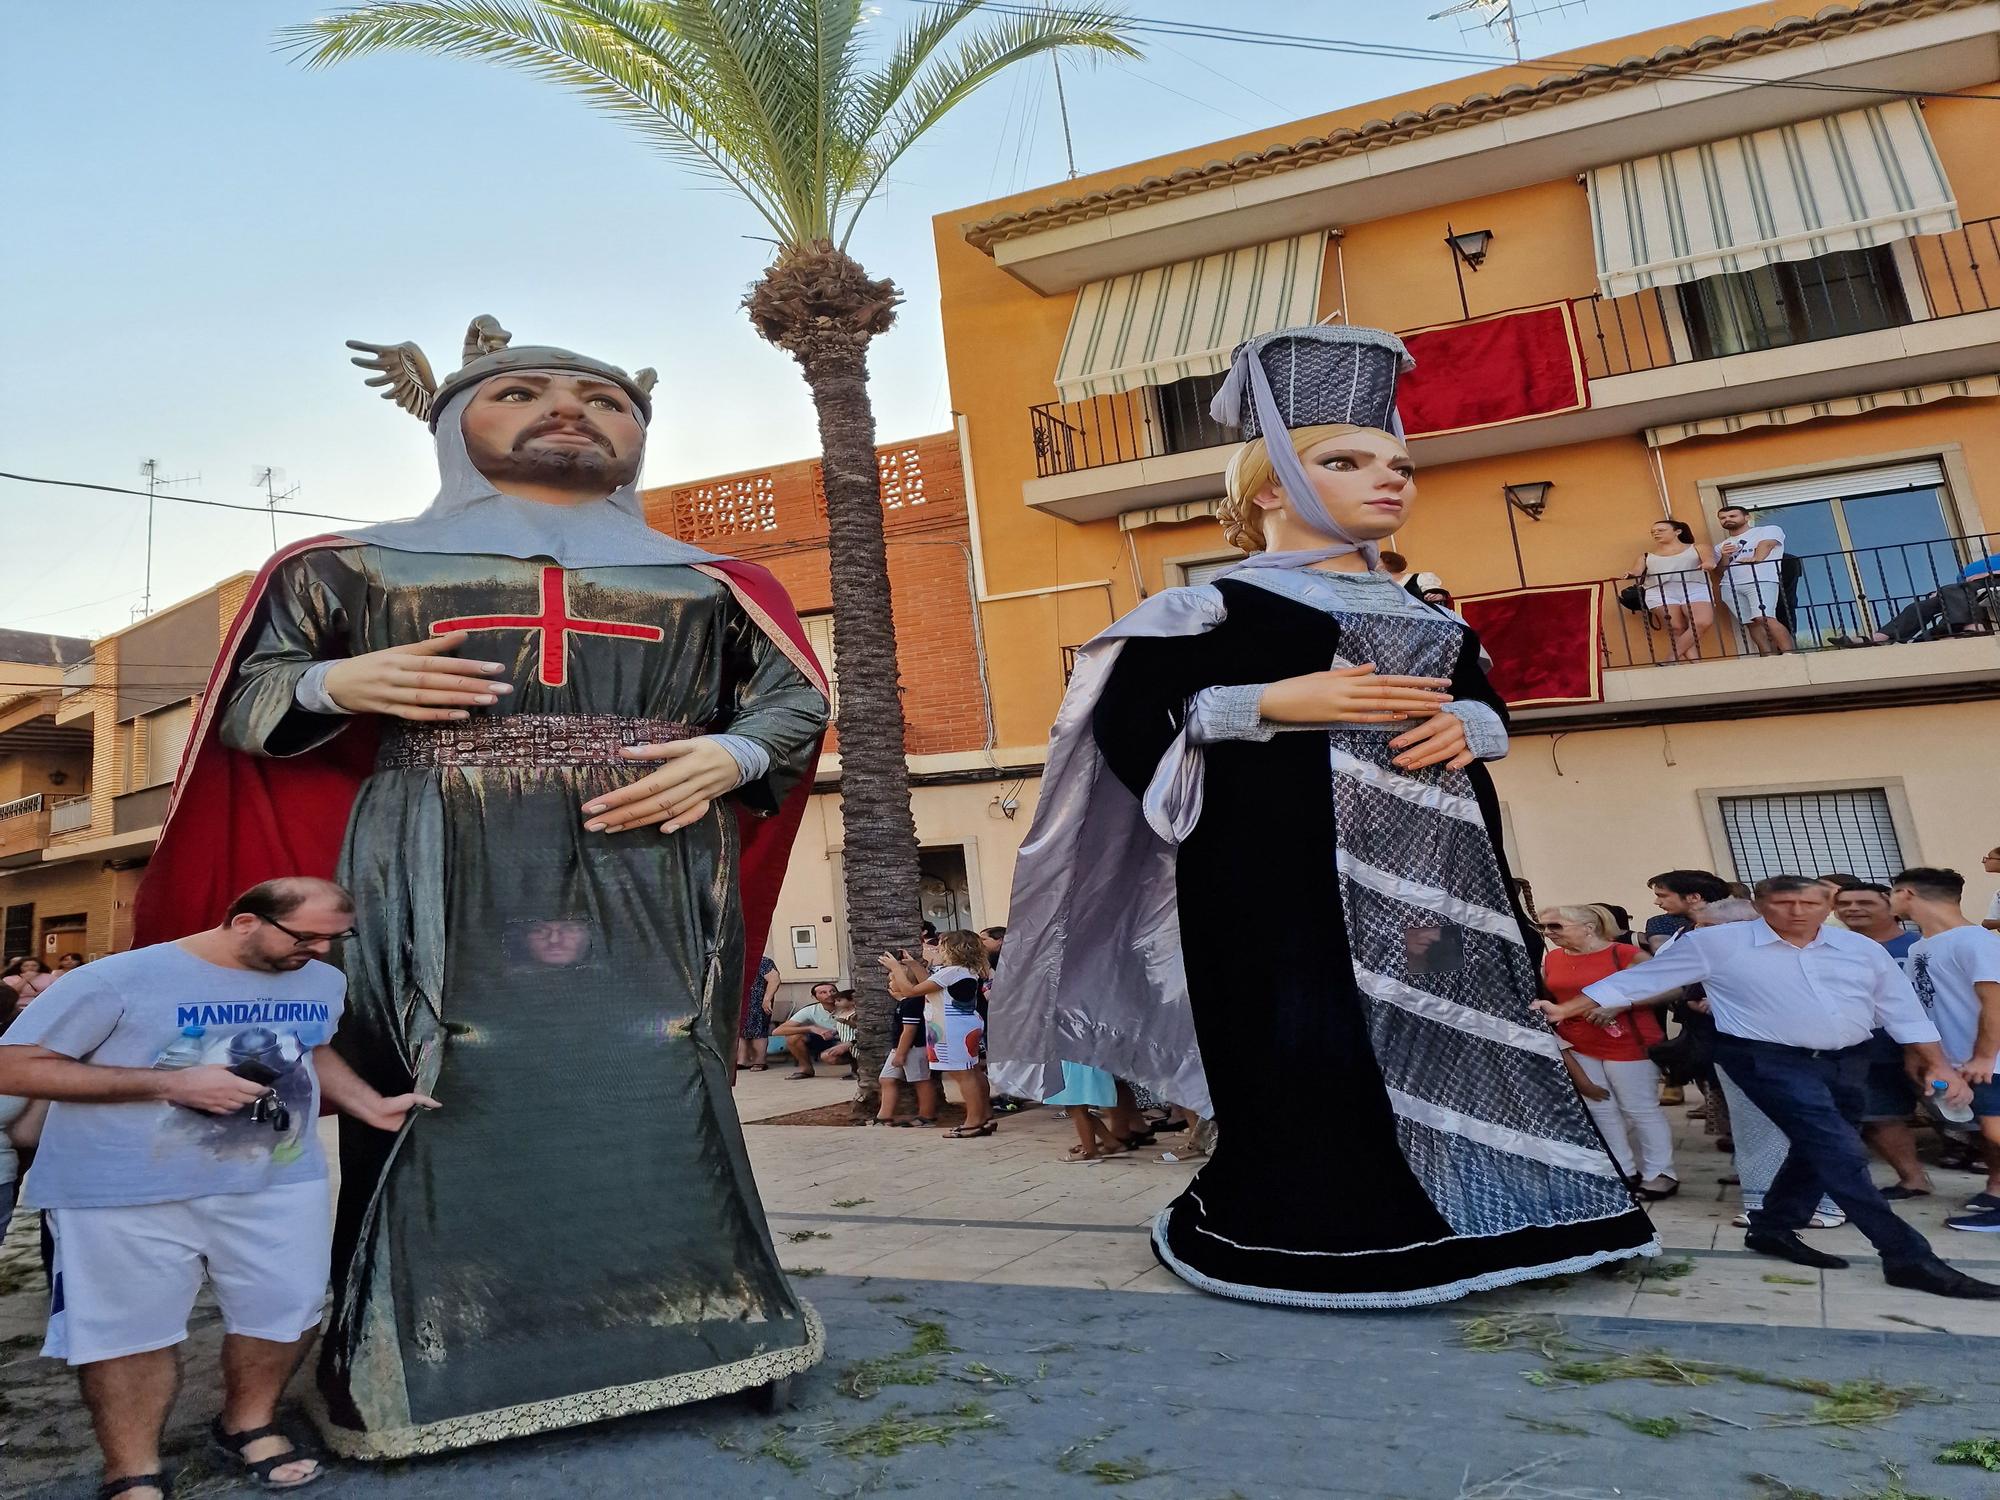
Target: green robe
576,1233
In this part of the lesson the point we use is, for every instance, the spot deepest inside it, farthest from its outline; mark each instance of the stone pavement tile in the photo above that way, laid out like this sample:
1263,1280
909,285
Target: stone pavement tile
1733,1291
1592,1294
1081,1259
1867,1302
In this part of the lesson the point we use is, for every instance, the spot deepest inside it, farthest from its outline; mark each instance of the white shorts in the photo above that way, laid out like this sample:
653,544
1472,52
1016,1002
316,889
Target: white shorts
1750,598
915,1069
126,1277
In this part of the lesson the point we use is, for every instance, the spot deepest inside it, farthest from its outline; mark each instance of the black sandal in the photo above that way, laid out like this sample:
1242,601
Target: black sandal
158,1482
231,1445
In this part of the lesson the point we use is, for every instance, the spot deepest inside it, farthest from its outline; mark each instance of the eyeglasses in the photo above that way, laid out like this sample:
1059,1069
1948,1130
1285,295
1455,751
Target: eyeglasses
1551,926
307,939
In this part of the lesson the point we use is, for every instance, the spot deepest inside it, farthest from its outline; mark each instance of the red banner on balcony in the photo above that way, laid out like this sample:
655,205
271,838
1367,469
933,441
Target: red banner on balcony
1544,643
1504,368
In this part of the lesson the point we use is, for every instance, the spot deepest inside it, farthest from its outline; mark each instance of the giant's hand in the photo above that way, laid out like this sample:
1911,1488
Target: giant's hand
1441,737
416,682
695,772
1352,695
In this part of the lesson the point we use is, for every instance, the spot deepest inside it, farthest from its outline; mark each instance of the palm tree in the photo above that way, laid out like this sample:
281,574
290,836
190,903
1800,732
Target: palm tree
786,103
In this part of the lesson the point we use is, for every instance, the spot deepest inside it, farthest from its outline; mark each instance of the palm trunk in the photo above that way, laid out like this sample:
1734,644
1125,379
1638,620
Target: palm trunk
879,843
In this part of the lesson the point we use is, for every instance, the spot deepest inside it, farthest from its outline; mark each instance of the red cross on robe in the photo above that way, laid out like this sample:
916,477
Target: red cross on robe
556,625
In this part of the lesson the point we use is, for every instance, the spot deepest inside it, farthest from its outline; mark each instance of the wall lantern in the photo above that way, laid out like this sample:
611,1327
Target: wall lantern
1529,499
1469,247
1468,252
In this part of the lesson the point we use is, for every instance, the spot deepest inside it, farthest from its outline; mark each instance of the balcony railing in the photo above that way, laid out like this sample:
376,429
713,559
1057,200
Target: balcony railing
1909,592
1798,303
21,807
24,826
69,815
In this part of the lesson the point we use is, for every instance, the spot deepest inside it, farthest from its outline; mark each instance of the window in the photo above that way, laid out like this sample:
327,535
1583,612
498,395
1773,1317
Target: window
819,636
17,938
165,737
1812,833
1794,302
1206,572
1868,542
1181,410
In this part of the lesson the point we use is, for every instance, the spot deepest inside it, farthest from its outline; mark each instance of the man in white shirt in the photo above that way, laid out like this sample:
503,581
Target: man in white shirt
1992,866
1794,1003
1747,567
1955,967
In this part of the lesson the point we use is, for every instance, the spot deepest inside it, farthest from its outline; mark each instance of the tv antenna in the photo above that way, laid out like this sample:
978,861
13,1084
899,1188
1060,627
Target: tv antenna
149,470
268,479
1503,18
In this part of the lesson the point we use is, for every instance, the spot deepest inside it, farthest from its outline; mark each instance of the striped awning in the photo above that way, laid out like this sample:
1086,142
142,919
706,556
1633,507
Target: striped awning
1155,327
1966,388
1846,182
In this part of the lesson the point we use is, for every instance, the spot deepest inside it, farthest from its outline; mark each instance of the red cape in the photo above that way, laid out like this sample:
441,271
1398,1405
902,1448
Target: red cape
237,819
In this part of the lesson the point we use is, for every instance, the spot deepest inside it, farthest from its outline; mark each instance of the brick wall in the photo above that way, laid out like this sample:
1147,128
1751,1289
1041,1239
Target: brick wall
777,517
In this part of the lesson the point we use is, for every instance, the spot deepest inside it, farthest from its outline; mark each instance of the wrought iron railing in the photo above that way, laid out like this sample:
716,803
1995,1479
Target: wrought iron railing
21,807
1147,423
1069,662
1799,302
1908,592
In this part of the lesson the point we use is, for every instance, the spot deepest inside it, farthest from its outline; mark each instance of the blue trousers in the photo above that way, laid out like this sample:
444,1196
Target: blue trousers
1818,1099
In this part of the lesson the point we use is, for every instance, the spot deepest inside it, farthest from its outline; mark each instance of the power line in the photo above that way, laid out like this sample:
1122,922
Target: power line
112,489
1201,31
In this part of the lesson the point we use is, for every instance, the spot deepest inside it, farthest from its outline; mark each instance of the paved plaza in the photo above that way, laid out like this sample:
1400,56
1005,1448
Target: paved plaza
997,1324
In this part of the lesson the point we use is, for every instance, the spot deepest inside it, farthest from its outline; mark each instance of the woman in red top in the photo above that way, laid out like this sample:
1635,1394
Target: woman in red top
1608,1048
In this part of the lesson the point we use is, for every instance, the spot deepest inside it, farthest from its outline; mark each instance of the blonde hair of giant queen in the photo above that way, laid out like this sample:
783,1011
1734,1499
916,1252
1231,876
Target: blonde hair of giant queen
1251,472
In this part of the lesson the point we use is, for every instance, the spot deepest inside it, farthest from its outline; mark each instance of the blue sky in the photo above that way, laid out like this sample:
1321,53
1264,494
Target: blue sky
196,224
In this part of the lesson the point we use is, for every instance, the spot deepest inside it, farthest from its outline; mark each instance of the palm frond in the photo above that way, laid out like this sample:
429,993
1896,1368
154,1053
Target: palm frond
917,88
774,98
660,90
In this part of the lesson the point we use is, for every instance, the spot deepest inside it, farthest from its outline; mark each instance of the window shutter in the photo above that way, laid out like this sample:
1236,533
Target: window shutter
1920,474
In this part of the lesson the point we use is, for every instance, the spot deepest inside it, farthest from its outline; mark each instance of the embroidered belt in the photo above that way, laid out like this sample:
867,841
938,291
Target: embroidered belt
530,741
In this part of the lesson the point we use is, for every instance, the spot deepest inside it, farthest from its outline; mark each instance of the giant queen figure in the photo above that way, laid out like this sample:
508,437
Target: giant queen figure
1265,880
559,758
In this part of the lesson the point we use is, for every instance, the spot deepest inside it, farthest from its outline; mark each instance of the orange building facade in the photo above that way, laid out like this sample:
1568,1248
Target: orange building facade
1841,379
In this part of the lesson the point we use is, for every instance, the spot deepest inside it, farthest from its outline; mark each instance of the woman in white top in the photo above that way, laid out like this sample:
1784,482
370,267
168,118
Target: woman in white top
1678,597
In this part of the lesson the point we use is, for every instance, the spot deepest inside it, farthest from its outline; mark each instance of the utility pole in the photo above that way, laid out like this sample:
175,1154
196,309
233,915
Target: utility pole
149,470
268,479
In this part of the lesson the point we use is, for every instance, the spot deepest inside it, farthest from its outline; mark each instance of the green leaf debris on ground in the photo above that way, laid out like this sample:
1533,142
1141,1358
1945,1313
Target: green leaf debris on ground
800,1236
920,1363
851,1202
1572,1364
1984,1453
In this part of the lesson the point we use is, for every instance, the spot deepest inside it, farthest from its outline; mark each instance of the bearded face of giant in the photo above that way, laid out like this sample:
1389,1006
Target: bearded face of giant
564,432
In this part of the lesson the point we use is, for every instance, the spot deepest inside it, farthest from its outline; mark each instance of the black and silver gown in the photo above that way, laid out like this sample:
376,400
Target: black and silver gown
1395,1124
576,1233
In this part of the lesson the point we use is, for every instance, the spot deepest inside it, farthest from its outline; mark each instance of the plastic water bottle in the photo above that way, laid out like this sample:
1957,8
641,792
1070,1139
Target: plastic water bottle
1949,1114
184,1051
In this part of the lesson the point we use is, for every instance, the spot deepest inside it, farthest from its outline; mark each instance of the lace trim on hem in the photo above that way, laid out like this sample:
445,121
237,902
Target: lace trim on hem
1486,1281
1386,1249
569,1411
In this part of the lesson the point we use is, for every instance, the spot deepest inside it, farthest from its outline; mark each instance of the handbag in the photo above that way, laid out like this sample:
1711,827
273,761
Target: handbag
1690,1056
1633,597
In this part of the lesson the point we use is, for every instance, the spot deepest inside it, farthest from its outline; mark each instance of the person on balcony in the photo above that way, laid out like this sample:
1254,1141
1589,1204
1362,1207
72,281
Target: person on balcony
1270,785
1968,607
1752,583
1675,572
